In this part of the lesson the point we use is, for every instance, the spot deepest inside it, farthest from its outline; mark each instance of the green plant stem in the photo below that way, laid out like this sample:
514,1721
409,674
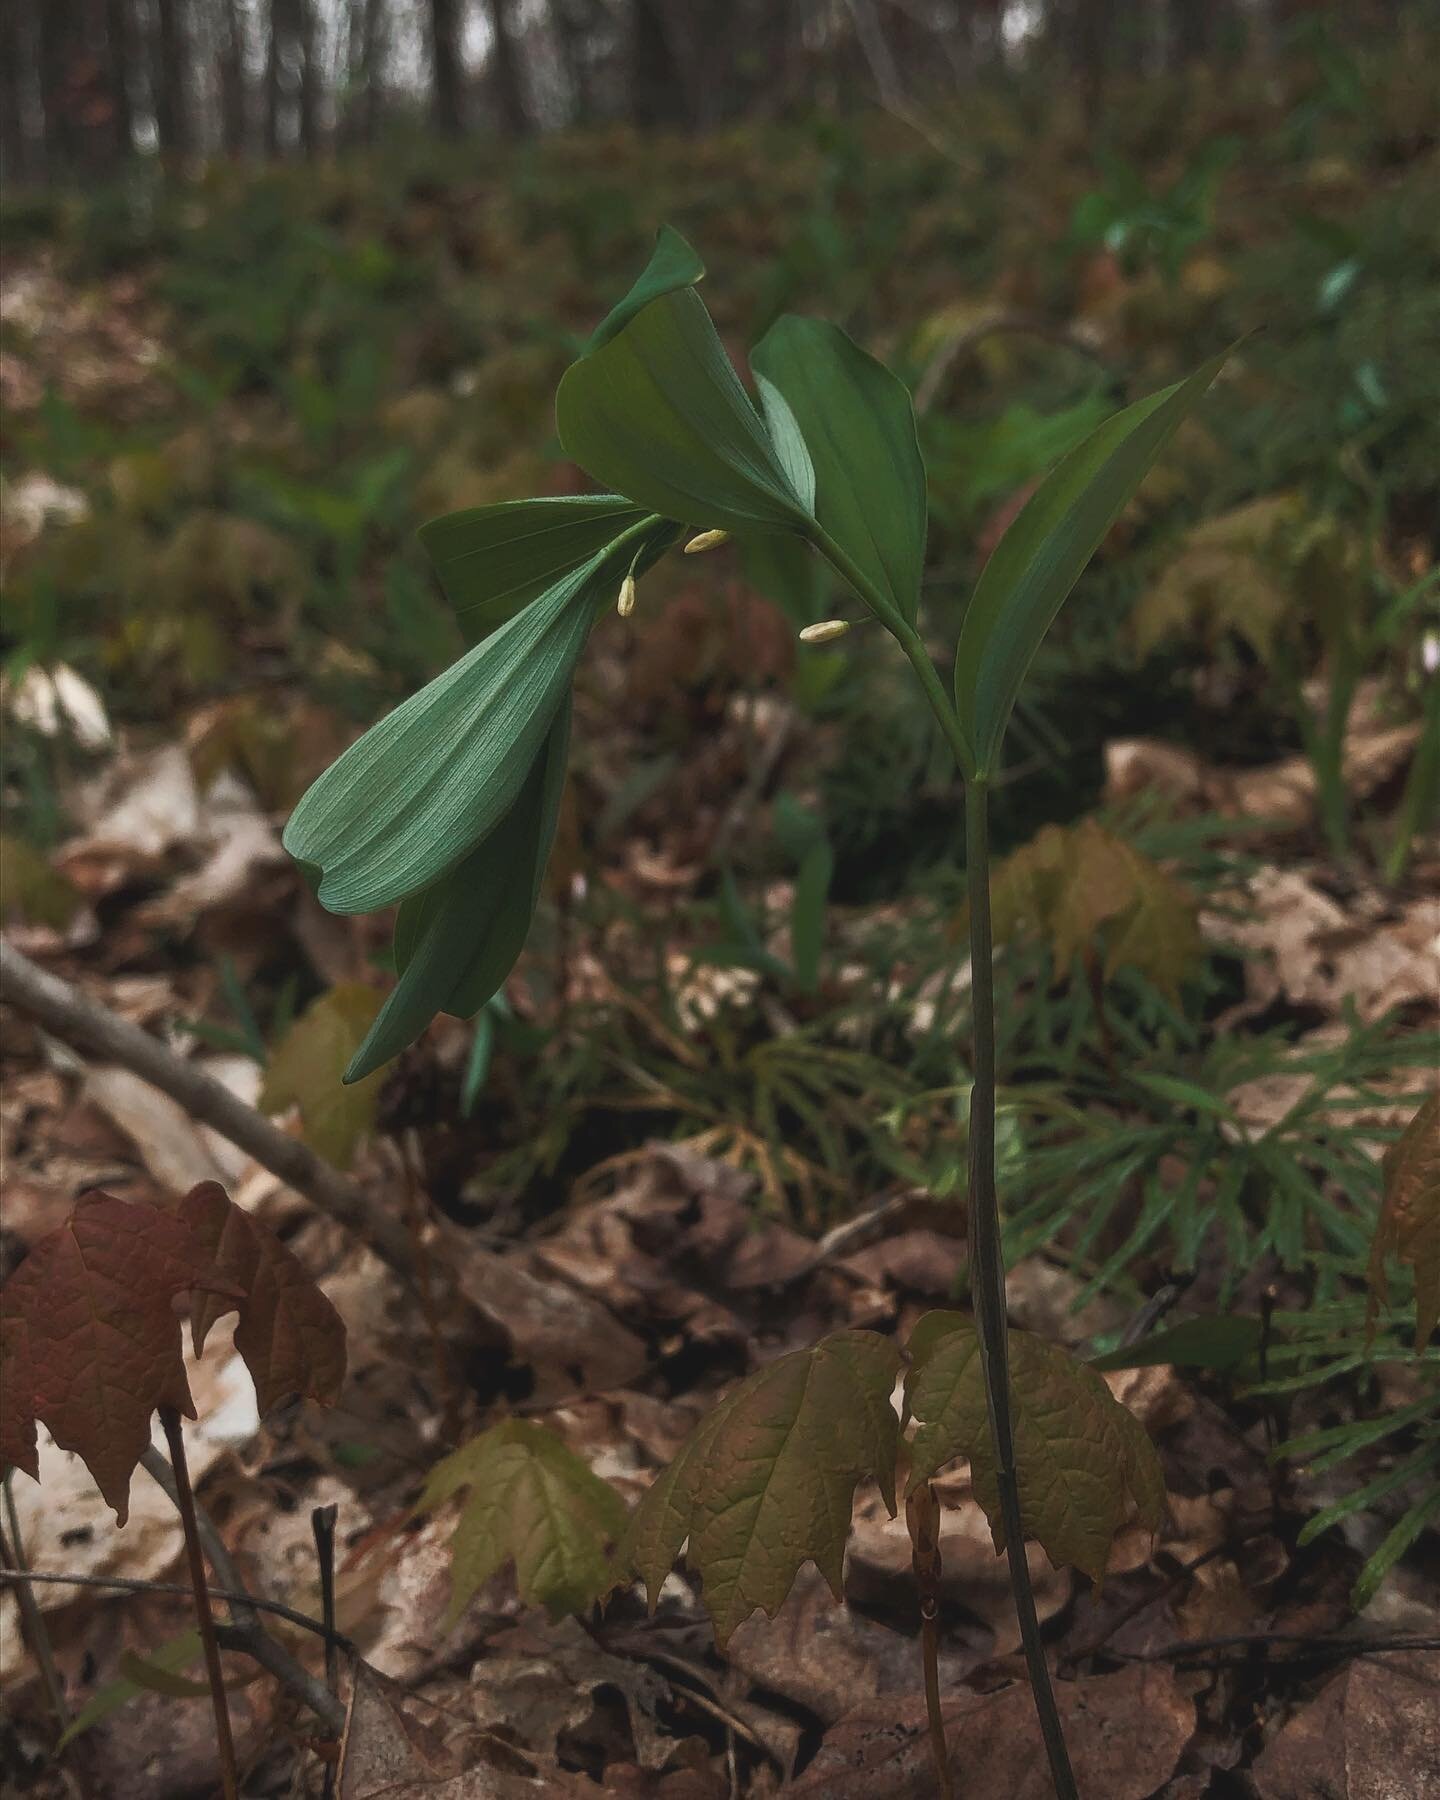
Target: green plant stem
204,1618
987,1279
987,1252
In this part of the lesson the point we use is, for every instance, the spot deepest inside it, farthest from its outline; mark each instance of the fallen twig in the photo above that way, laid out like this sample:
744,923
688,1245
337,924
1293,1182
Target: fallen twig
71,1016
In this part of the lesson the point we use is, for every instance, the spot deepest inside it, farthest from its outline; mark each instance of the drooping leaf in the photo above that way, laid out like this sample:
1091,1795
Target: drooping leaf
658,414
858,423
1217,1341
291,1337
767,1481
421,789
1409,1227
170,1659
673,264
17,1395
1084,1464
533,1501
492,561
455,944
104,1338
1043,554
307,1067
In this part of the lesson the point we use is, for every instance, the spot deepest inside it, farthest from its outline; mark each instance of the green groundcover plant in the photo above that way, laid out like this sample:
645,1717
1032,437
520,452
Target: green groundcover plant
448,807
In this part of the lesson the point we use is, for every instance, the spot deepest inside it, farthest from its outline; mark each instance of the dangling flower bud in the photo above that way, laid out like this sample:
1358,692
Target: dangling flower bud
625,605
825,632
707,540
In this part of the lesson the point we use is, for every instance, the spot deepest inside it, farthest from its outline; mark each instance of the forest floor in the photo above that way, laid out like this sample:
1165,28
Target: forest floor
682,1146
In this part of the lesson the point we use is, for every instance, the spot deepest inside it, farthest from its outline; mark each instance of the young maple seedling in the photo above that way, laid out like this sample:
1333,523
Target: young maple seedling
91,1340
448,806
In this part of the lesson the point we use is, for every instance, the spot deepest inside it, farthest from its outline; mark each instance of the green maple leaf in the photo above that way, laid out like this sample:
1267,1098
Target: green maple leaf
767,1481
307,1066
1088,890
534,1502
1083,1462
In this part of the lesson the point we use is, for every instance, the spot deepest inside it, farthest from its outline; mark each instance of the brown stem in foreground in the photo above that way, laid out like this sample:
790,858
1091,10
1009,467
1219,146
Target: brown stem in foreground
12,1558
204,1618
322,1523
71,1016
922,1515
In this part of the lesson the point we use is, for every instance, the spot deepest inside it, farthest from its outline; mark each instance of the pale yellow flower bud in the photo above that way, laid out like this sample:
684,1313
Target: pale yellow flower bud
625,605
707,540
825,632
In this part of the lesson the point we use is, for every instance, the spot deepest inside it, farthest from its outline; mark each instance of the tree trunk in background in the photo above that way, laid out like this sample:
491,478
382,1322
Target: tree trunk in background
232,82
505,61
657,85
15,73
56,27
368,58
307,49
575,24
1189,31
119,61
171,98
446,100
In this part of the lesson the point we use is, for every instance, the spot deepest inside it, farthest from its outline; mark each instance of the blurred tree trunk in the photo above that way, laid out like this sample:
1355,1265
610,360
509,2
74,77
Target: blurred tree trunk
57,41
232,82
172,109
505,70
15,159
446,99
362,71
274,77
575,23
1190,30
657,84
119,59
307,50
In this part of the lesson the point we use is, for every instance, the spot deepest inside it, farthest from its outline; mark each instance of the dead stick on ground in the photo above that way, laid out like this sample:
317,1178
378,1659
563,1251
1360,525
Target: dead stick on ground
69,1015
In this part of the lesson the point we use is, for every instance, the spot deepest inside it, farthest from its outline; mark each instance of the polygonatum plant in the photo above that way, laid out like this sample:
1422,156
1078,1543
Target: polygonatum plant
448,806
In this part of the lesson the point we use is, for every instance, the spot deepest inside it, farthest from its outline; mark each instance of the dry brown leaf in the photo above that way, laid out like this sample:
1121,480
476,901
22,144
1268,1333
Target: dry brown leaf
1373,1733
1125,1733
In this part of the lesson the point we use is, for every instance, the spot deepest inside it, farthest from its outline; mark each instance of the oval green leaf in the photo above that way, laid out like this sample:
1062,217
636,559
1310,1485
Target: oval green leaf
1042,555
858,423
492,561
433,779
658,414
456,943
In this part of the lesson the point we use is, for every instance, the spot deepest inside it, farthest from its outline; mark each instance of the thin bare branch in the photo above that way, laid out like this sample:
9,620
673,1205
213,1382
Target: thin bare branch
71,1016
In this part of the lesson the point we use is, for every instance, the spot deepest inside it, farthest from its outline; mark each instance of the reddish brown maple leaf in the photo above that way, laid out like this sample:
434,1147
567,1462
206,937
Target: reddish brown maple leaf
291,1337
96,1298
17,1397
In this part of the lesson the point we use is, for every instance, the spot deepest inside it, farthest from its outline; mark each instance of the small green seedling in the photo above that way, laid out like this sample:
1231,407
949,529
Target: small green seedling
448,806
